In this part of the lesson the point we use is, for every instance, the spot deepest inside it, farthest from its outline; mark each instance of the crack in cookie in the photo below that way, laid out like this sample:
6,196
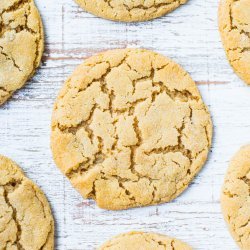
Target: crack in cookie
141,240
130,11
129,129
26,220
20,24
234,25
235,199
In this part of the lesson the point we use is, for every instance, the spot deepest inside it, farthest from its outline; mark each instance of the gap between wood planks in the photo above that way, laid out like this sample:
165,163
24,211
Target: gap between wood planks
210,82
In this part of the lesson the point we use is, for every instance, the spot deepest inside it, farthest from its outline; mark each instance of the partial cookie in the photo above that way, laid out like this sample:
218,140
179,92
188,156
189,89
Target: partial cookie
129,10
145,241
234,24
25,217
235,199
21,44
129,129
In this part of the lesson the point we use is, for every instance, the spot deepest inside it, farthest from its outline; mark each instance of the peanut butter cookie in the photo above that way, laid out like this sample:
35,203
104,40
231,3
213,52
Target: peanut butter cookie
21,44
129,129
145,241
25,217
234,24
129,10
235,199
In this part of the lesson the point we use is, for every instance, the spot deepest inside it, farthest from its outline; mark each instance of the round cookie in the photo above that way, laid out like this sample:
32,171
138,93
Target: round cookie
235,199
129,10
145,241
129,129
234,25
25,216
21,44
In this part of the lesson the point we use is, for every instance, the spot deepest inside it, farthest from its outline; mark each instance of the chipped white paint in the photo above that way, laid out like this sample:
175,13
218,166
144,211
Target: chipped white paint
189,35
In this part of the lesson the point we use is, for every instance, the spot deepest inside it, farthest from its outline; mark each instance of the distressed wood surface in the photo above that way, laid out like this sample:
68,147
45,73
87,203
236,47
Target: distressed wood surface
190,36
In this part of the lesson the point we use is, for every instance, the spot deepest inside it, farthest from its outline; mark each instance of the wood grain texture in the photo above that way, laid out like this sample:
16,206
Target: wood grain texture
189,36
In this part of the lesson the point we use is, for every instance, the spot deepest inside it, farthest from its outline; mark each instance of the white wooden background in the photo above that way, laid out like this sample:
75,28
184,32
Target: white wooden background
190,36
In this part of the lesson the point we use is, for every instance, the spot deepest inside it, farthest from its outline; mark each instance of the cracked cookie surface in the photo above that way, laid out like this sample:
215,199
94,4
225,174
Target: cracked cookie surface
235,199
130,10
25,217
129,129
145,241
21,44
234,25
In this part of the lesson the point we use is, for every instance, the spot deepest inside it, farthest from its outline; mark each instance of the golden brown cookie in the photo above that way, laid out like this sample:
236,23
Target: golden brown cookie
129,129
235,199
25,217
234,24
130,10
21,44
144,241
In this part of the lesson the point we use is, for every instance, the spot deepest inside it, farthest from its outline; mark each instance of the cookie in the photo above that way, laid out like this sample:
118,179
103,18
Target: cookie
129,10
21,44
25,217
129,129
234,24
145,241
235,198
